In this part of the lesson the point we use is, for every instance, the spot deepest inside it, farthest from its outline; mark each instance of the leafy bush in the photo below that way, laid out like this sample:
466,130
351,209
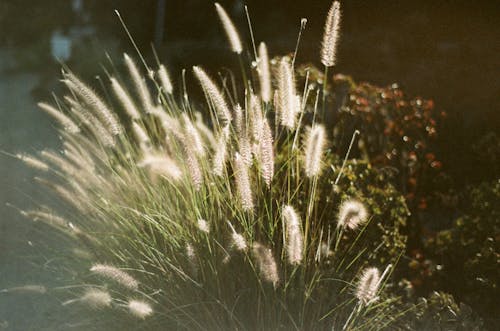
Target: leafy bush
469,252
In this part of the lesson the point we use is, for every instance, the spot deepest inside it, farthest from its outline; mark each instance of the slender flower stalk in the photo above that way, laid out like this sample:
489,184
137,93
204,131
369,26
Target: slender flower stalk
331,36
230,29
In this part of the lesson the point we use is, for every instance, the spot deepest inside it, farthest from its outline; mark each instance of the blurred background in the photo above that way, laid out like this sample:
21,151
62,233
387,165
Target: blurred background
447,51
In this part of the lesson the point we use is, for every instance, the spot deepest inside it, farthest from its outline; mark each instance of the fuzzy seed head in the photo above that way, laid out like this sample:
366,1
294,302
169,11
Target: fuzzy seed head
352,214
33,162
96,298
243,183
214,95
160,165
124,99
230,29
266,153
368,285
140,85
203,226
165,81
239,242
331,35
139,309
314,149
266,263
264,73
115,274
66,122
287,95
294,244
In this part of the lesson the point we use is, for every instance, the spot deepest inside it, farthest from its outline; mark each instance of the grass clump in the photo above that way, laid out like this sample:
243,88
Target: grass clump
234,214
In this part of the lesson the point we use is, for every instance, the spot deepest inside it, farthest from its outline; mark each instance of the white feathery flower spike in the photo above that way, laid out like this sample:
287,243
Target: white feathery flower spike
203,225
266,153
243,182
140,309
266,263
33,162
238,240
115,274
125,99
314,149
368,285
96,298
352,213
331,36
66,122
294,240
230,29
140,85
105,115
165,81
219,159
213,94
192,136
264,73
287,97
161,165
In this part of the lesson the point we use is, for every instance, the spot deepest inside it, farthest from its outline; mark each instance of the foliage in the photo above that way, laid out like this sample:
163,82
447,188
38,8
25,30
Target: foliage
469,252
398,132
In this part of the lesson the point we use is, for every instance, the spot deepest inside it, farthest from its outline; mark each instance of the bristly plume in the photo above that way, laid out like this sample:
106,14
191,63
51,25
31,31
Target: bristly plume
331,36
264,73
141,136
266,153
256,117
115,274
96,298
160,165
125,99
243,182
192,136
139,308
105,115
287,101
368,285
165,81
238,241
203,226
230,29
33,162
314,149
214,95
219,160
140,85
352,214
294,240
66,122
266,263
